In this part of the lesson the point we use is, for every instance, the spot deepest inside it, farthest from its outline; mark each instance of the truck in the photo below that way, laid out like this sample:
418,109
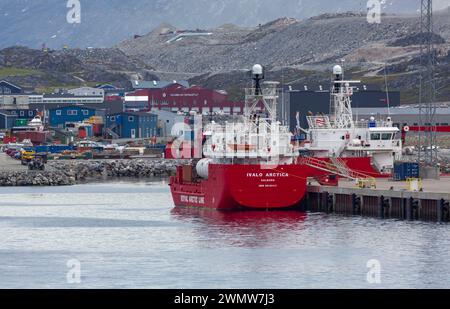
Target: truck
27,155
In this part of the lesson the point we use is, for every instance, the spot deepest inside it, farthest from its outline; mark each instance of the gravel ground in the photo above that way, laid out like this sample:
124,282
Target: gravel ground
10,165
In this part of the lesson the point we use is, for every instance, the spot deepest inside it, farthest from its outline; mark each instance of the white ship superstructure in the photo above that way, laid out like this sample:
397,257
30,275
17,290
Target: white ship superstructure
339,135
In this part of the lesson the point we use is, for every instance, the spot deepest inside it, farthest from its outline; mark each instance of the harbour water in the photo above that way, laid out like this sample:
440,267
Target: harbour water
127,235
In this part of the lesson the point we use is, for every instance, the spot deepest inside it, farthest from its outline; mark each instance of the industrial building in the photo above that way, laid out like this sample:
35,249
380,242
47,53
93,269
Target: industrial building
178,98
409,116
132,125
59,117
11,117
67,98
87,91
167,122
303,102
12,96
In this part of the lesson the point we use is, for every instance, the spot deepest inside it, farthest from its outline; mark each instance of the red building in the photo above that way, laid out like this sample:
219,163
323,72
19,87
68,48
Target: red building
177,98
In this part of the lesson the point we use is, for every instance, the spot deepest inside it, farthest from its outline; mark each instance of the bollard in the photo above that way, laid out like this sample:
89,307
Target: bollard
330,202
444,211
381,207
356,204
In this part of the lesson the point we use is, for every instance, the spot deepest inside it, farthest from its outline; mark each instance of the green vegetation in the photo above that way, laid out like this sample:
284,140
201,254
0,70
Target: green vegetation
12,71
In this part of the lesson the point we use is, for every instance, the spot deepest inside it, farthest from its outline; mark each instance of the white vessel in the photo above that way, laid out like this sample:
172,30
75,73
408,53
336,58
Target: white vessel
340,135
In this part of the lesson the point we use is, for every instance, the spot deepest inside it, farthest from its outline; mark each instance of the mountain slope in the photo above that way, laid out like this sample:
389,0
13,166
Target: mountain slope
284,42
107,22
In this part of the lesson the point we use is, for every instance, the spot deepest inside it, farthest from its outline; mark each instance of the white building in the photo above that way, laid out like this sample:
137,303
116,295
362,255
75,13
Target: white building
87,91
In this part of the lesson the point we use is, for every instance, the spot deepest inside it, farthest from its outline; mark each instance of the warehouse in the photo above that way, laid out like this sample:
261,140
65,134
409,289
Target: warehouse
178,98
132,125
305,101
59,117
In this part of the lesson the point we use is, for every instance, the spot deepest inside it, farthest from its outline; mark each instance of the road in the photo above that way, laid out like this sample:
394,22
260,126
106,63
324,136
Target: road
9,164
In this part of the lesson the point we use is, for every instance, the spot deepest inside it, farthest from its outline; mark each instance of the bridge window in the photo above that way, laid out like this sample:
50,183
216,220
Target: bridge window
386,136
375,136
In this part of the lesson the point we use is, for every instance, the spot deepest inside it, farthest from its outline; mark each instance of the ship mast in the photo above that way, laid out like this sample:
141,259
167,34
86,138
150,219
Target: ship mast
267,96
341,104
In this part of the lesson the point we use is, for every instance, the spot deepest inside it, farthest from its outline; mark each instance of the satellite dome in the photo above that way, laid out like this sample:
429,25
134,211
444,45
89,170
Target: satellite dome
337,70
257,69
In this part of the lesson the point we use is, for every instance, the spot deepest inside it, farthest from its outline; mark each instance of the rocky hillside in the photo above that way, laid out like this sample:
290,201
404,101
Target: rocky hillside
43,69
300,52
284,42
294,52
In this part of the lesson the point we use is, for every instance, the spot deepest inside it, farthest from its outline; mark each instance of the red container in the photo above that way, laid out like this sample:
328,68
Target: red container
97,129
36,137
82,133
9,139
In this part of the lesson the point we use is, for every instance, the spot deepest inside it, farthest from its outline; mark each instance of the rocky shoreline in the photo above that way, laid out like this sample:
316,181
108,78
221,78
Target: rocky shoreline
66,173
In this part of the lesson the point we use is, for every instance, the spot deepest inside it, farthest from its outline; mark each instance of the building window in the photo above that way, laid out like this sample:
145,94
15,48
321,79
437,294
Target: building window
58,112
130,118
30,113
72,112
85,112
22,113
112,118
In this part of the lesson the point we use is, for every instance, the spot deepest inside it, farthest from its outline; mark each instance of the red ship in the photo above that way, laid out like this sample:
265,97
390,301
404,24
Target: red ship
249,164
253,164
238,186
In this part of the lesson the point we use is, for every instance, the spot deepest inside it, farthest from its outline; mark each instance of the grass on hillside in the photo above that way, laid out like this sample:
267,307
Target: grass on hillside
12,71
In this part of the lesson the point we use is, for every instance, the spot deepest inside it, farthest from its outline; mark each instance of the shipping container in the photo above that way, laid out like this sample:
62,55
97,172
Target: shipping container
97,129
53,148
405,170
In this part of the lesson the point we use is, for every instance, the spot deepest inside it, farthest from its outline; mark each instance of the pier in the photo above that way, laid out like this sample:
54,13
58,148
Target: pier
390,200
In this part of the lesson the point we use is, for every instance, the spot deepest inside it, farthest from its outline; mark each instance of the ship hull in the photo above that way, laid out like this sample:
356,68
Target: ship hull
231,187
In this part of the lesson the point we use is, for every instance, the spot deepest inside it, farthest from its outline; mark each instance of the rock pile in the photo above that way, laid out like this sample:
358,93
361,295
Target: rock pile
44,178
64,173
92,169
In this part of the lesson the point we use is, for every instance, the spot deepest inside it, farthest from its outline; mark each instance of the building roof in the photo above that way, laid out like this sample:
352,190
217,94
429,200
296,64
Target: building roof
74,106
400,110
139,114
69,95
115,106
106,86
12,85
7,113
137,84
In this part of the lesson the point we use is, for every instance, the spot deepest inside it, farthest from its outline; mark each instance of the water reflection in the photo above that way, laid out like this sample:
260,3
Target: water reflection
242,228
